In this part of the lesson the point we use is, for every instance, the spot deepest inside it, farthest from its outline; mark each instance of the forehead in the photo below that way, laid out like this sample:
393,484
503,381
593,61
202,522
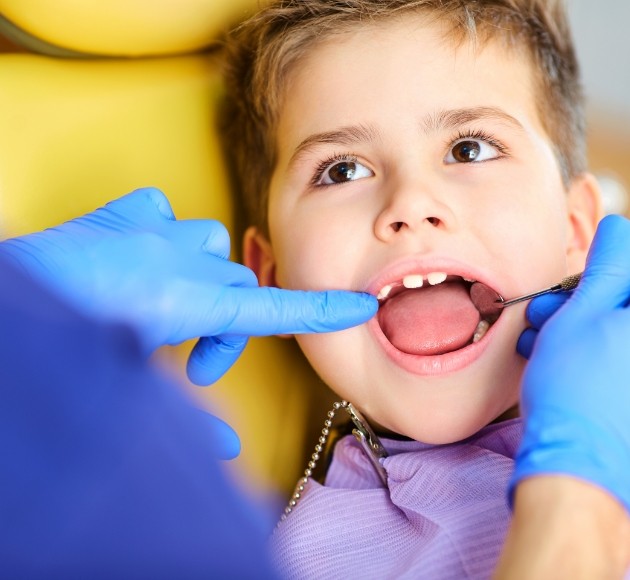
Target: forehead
402,65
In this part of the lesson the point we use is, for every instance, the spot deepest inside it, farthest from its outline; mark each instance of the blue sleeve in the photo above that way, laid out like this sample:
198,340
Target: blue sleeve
106,469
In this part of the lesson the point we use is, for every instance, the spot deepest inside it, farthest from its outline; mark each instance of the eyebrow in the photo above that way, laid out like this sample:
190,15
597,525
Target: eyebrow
431,123
350,135
454,118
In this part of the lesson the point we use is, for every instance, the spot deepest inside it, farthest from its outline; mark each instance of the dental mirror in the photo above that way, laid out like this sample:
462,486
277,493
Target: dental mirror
490,303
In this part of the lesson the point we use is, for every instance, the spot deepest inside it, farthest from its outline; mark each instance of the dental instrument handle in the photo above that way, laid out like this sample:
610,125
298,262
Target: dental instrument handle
565,285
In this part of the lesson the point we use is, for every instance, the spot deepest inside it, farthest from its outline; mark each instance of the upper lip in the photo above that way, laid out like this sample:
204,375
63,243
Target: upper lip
395,272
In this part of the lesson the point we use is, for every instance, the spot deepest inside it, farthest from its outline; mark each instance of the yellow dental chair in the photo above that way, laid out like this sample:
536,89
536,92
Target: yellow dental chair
98,99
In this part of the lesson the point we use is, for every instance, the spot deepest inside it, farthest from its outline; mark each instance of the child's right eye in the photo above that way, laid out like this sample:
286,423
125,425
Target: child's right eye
340,170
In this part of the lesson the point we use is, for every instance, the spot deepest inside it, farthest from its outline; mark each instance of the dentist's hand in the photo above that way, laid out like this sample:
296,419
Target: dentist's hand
576,387
172,280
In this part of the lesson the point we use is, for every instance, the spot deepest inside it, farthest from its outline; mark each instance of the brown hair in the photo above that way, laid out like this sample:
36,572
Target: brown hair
261,52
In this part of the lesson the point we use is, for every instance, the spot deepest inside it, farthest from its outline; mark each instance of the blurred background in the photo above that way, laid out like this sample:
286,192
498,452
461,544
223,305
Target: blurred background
600,29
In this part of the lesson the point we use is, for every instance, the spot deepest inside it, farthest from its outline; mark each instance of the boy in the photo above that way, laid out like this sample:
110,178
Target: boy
409,149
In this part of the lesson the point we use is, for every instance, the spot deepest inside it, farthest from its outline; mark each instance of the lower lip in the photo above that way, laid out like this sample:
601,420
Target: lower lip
436,364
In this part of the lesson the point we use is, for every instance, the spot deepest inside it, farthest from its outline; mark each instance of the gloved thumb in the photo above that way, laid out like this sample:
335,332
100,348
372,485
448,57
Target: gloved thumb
212,357
146,205
605,284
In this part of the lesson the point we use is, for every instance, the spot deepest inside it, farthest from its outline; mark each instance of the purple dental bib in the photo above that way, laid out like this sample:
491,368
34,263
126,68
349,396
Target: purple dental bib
443,514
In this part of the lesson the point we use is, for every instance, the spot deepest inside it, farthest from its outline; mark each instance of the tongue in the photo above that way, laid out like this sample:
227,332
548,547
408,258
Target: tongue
429,321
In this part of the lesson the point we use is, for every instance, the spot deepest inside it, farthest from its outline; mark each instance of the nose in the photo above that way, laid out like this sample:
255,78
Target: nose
410,209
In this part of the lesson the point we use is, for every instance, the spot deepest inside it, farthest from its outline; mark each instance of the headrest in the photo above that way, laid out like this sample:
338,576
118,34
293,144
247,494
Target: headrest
119,27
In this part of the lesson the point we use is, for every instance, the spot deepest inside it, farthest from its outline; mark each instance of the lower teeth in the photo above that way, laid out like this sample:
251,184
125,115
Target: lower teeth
481,330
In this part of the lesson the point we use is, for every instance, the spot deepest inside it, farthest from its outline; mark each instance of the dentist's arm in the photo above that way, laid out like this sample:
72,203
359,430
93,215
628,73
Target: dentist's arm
571,485
564,528
107,469
132,261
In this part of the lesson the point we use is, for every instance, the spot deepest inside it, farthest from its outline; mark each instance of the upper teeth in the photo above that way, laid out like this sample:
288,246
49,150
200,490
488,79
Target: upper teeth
414,281
436,278
385,290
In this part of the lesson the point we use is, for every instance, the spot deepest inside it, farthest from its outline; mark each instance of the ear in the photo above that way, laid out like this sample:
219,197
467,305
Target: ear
584,211
258,256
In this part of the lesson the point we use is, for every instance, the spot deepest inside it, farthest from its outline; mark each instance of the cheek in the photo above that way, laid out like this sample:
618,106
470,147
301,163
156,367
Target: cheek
335,356
313,252
545,233
528,226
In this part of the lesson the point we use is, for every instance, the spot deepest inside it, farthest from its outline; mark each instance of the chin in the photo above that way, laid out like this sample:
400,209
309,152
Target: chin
442,428
445,434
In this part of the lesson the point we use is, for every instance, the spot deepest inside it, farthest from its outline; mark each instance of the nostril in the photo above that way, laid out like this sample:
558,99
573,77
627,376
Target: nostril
397,226
433,221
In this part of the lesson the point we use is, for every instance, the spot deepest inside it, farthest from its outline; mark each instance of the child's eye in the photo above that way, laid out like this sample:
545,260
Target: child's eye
340,170
474,149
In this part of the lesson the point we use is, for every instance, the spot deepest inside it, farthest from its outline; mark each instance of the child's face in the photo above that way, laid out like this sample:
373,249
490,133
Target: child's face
372,185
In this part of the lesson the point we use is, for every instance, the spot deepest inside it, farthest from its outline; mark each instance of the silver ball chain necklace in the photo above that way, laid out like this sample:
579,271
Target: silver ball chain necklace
364,434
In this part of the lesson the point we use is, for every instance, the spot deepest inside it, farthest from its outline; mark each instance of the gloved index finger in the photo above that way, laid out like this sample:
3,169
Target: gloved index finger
269,311
605,283
540,309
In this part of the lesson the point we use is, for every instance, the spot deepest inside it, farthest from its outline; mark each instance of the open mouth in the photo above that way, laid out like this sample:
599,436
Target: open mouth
436,313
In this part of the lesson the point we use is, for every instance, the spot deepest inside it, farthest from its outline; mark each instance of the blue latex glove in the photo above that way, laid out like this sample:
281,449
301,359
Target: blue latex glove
132,261
576,387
